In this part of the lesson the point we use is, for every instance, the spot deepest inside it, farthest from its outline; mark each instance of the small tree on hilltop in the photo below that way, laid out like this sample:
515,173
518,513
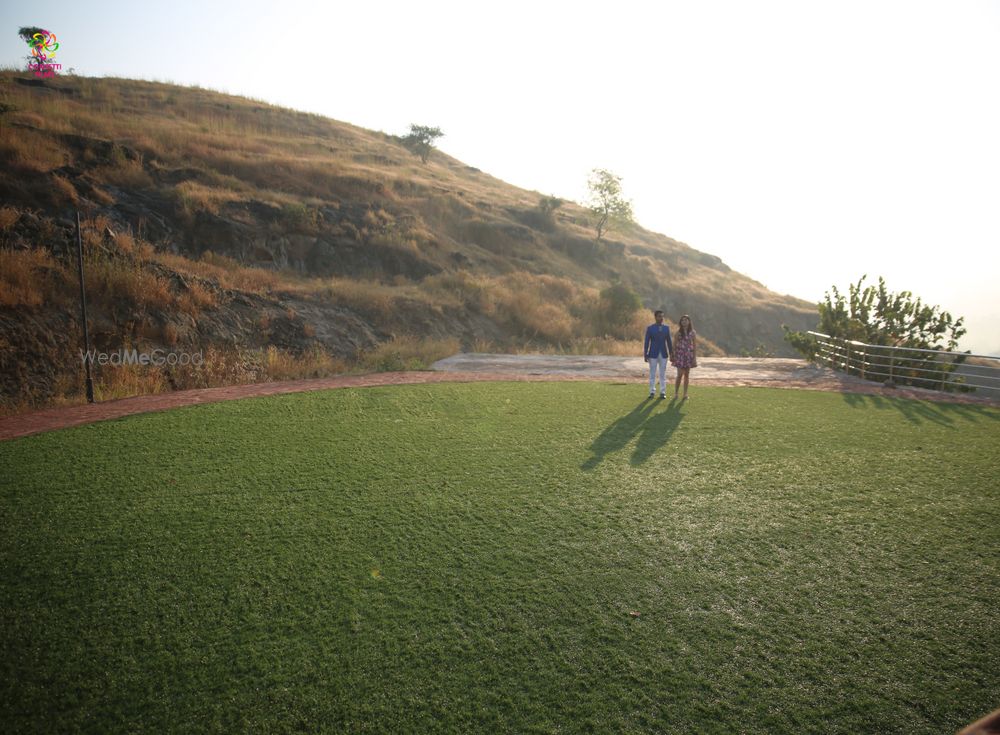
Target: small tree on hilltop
876,316
607,204
420,140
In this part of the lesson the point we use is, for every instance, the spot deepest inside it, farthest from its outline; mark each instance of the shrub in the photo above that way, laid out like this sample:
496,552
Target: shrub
124,173
23,276
408,353
9,217
617,309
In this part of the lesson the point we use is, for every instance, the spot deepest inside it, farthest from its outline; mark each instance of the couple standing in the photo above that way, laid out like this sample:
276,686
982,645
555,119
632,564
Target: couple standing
658,347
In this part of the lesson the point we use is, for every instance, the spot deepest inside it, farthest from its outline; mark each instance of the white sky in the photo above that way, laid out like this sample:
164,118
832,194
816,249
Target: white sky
804,143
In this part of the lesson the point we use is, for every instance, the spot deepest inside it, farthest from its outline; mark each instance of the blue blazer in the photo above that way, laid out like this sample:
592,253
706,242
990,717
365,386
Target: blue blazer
658,343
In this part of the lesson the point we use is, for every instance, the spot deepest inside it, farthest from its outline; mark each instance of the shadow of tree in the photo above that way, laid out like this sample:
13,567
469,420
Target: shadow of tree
916,412
653,433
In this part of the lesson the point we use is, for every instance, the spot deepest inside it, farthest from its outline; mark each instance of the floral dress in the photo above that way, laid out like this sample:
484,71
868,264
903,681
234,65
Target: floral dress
684,356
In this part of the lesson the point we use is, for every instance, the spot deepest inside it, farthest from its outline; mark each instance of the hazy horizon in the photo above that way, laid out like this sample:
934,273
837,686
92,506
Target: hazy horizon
806,145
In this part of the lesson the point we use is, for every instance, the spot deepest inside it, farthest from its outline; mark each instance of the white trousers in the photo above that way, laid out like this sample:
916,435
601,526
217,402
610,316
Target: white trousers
658,363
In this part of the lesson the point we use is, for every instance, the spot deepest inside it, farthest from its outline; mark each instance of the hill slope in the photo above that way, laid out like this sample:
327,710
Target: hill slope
222,222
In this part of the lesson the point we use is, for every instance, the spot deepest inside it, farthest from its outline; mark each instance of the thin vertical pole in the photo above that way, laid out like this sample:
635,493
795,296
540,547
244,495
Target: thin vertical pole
83,311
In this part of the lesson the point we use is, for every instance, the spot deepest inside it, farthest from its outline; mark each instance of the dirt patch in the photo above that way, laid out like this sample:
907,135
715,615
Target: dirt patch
464,368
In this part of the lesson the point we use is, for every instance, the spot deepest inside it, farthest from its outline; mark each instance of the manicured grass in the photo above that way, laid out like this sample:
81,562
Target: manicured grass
524,557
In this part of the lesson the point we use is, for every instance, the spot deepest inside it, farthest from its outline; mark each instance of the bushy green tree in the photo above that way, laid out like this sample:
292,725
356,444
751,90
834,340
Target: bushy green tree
420,140
617,308
876,316
607,204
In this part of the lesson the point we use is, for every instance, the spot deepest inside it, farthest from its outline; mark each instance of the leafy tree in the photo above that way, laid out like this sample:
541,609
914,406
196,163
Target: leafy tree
617,308
607,204
876,316
548,205
543,216
420,140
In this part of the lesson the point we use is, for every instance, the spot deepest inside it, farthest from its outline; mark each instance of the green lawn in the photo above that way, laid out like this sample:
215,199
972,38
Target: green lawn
526,557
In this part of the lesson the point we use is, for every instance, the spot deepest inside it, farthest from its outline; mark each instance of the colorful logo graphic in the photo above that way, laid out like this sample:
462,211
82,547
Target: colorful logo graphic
43,46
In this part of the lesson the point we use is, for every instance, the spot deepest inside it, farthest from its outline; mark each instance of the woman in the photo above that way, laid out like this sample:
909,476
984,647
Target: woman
684,356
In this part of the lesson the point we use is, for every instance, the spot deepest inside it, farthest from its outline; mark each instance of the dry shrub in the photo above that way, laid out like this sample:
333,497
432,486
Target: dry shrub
236,366
220,366
560,289
235,275
148,146
537,307
224,271
30,119
313,363
25,276
604,346
169,334
8,218
113,279
125,243
194,197
459,288
369,297
408,353
394,242
536,318
101,197
195,299
254,280
144,250
125,174
201,296
484,345
125,380
29,151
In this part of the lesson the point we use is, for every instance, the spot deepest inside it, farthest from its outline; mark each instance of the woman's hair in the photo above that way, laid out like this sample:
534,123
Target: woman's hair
680,325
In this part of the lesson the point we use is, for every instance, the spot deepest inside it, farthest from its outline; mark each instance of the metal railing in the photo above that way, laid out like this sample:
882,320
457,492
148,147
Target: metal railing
934,369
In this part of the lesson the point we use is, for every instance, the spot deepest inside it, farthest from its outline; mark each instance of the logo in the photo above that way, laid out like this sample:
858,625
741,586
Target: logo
43,45
157,358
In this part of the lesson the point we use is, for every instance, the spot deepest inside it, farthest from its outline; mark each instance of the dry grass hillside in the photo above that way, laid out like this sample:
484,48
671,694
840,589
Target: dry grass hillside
282,244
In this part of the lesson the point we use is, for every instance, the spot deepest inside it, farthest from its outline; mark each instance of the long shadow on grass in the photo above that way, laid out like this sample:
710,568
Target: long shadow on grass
944,414
653,430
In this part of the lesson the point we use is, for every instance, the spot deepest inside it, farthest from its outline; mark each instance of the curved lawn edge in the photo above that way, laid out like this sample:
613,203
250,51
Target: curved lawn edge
63,417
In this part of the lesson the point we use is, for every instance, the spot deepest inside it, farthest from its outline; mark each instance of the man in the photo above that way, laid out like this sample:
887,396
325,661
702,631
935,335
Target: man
656,349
